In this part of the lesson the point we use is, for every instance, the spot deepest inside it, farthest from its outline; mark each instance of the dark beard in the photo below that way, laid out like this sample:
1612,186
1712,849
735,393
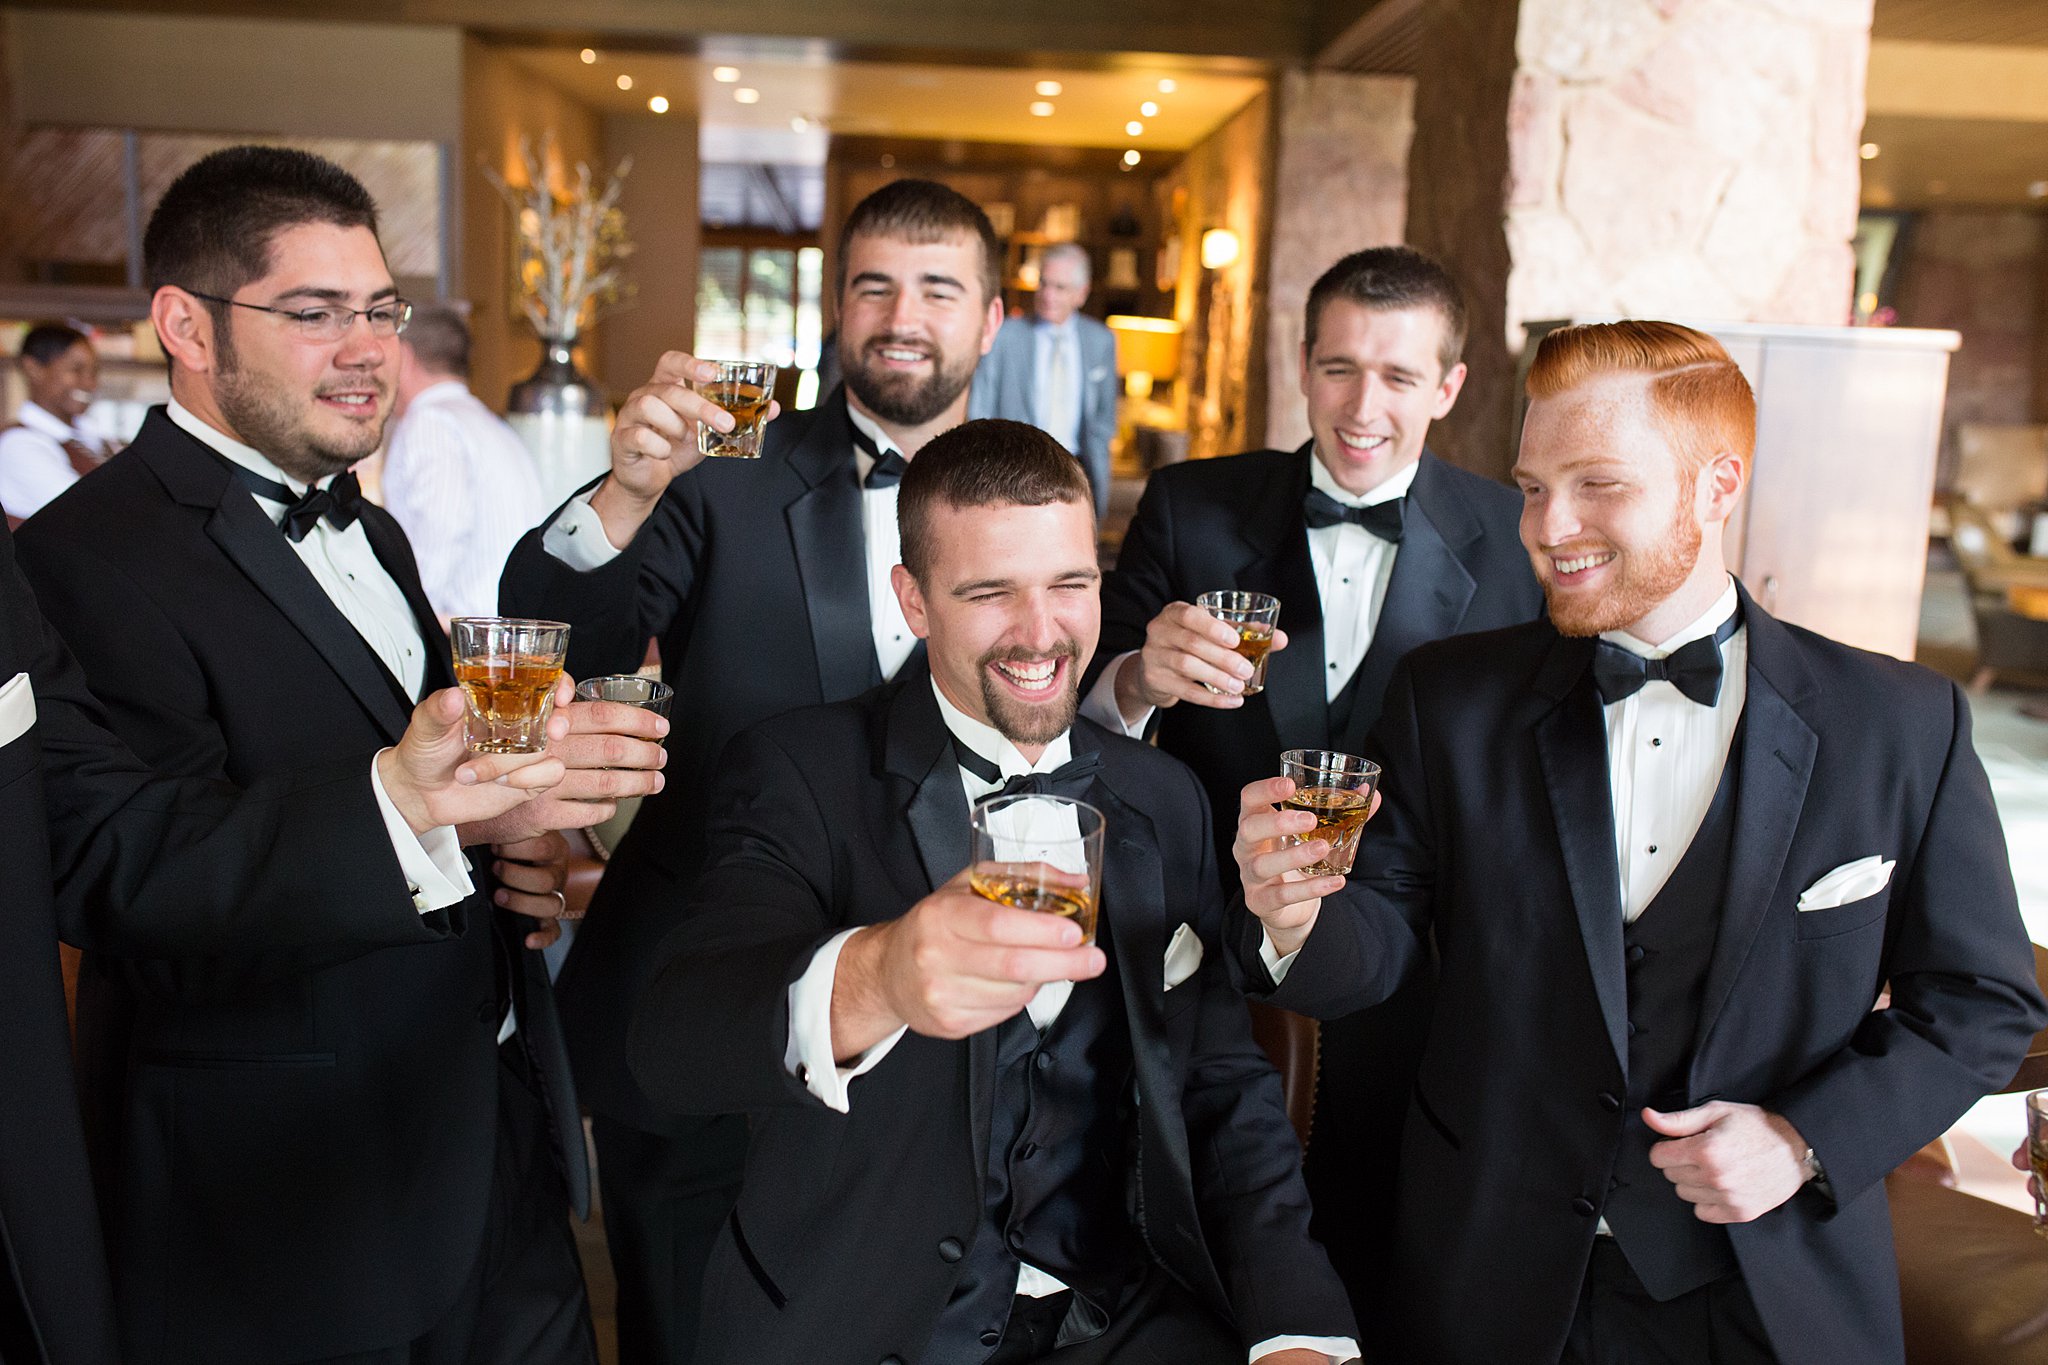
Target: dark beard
1027,724
269,426
900,399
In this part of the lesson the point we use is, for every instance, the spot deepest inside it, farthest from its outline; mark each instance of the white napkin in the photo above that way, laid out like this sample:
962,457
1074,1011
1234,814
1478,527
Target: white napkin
1849,882
1183,955
17,708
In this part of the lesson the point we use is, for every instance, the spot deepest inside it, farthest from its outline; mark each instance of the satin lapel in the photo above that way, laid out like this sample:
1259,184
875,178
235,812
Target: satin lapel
1426,599
1296,693
1571,744
394,552
828,539
1778,749
1134,908
260,551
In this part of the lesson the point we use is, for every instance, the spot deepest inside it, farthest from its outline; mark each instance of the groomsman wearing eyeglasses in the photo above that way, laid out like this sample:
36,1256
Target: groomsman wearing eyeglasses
1373,545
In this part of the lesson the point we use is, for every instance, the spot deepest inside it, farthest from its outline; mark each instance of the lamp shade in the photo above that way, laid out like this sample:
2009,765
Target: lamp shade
1146,345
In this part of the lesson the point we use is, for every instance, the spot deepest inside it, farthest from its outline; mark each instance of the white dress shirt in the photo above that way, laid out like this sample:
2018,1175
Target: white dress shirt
463,486
33,465
576,537
1056,381
1353,567
347,570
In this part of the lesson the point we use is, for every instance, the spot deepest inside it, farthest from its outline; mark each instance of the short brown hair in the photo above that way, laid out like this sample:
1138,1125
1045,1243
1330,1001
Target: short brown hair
920,212
212,231
438,336
989,463
1388,277
1697,394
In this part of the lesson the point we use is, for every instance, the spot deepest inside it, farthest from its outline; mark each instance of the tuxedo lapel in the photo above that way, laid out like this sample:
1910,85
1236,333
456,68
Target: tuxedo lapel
1777,753
1571,745
1280,566
828,540
394,552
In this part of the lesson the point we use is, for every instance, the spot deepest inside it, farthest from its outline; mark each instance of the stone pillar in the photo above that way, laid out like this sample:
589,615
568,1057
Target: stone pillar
1693,159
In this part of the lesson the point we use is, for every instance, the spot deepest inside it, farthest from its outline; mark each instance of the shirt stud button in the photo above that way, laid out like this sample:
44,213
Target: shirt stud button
1653,848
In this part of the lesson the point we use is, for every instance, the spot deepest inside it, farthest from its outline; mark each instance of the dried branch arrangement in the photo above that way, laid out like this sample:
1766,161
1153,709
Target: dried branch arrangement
571,242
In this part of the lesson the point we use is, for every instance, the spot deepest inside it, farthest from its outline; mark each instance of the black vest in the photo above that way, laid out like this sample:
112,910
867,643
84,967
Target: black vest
1669,948
1054,1192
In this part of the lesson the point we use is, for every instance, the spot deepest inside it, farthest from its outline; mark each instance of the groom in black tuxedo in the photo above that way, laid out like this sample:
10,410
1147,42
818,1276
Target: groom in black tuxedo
1668,853
974,1139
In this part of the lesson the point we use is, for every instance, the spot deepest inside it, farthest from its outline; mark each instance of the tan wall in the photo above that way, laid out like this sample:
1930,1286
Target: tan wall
1223,181
660,202
1342,186
502,102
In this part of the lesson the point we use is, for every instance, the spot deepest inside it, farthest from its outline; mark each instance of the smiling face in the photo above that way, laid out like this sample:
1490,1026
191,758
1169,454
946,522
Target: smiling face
313,407
1374,382
913,324
64,385
1624,533
1010,608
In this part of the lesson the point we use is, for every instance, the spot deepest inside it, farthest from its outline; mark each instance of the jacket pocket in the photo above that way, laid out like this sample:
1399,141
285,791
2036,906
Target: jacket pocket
1843,919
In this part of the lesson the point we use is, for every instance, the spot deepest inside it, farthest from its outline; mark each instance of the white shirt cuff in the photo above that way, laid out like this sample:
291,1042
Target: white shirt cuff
1276,966
1336,1348
1100,705
808,1055
435,871
577,538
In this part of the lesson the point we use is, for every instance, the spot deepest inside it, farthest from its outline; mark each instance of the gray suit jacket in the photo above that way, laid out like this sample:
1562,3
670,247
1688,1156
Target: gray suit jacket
1005,382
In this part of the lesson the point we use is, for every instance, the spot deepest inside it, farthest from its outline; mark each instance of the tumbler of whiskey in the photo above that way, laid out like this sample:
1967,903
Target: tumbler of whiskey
1040,853
743,388
508,668
1252,615
1336,789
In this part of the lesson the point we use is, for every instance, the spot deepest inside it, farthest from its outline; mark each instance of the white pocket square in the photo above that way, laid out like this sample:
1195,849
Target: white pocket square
1183,955
1849,882
1098,374
17,708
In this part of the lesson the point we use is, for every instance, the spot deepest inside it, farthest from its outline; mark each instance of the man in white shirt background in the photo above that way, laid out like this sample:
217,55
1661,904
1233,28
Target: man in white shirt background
456,476
1057,368
45,450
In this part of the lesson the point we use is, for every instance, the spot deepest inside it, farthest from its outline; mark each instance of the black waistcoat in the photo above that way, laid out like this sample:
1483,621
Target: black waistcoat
1054,1193
1669,948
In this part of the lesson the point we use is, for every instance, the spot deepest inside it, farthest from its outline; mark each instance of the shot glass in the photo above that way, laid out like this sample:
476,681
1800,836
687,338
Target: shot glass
508,668
1040,853
628,689
744,389
1253,615
1336,789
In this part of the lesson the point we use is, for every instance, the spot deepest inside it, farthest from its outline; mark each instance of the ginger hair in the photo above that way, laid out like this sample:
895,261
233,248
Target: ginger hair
1697,393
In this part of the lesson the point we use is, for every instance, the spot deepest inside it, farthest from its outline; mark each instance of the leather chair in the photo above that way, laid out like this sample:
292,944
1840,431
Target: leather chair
1294,1042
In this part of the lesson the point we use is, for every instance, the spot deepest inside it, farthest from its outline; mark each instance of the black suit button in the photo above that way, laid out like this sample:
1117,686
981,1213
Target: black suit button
1637,953
1632,1029
1027,1151
1610,1101
892,1360
1015,1237
991,1337
487,1012
1583,1207
1044,1062
950,1250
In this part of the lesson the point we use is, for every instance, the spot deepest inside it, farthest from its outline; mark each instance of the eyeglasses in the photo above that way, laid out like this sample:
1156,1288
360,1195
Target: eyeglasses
331,321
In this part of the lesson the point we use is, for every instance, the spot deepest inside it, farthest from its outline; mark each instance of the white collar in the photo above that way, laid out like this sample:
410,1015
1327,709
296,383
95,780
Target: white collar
873,431
993,746
42,421
227,447
1706,623
440,391
1394,486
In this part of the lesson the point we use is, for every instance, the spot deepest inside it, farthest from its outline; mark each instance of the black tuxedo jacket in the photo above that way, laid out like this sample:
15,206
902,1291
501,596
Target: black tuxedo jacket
295,1141
141,860
846,815
1496,842
753,575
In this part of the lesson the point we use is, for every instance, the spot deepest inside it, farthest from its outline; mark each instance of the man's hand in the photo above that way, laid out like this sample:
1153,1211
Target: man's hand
1274,888
610,751
1296,1355
1733,1163
1187,653
655,439
531,874
433,779
953,965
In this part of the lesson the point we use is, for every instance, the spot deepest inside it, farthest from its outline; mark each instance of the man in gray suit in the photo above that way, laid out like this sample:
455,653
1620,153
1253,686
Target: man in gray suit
1056,369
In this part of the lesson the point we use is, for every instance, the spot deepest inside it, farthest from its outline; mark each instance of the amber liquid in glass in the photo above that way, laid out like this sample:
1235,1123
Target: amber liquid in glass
1340,815
1254,642
1028,893
508,699
748,404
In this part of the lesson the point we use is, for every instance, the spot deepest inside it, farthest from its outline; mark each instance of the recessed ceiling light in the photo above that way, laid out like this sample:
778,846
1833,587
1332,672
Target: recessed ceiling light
1869,150
725,75
747,94
799,124
659,104
625,82
2038,190
1049,89
1148,108
589,56
1167,86
1131,157
888,161
1042,108
1134,128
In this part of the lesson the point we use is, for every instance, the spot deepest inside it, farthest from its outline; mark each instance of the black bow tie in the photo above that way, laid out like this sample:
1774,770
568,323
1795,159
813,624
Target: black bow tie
1694,668
1382,519
888,469
341,502
1071,778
